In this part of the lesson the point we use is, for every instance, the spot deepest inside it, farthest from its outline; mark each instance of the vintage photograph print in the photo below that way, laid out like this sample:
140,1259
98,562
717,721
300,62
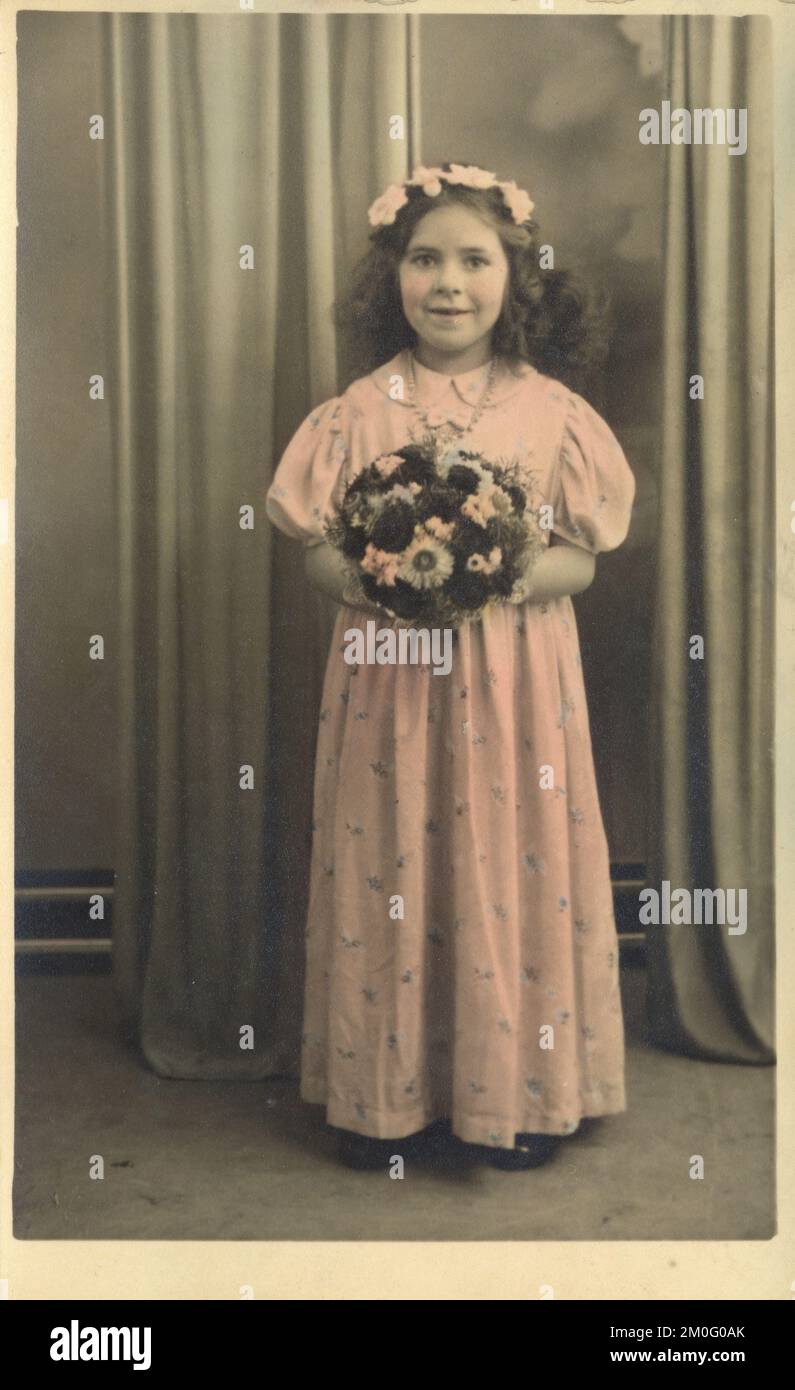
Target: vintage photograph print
395,603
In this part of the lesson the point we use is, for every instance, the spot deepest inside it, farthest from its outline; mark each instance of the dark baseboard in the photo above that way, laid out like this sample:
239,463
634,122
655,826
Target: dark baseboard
54,933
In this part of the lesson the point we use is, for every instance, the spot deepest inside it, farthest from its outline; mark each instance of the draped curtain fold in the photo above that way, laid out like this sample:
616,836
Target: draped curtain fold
710,993
240,159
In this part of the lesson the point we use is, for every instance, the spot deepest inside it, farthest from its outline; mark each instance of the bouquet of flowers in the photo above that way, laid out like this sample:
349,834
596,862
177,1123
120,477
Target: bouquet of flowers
436,534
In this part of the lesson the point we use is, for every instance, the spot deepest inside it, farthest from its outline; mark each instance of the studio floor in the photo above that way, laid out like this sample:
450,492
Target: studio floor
198,1160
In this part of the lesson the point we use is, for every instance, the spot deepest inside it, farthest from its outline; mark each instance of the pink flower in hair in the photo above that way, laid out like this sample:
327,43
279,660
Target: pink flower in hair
471,176
520,203
431,179
428,179
385,209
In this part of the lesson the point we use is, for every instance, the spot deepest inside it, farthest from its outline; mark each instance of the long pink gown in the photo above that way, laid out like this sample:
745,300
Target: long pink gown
435,788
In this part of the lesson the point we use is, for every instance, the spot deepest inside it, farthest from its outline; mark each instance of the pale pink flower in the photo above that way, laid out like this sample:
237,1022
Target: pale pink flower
381,564
477,508
428,179
387,464
519,202
385,209
442,530
471,176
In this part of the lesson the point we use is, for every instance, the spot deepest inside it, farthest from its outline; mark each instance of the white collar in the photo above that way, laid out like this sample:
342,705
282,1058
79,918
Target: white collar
468,386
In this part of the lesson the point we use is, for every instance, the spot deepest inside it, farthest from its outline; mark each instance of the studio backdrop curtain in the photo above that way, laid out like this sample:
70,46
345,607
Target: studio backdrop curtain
710,992
240,155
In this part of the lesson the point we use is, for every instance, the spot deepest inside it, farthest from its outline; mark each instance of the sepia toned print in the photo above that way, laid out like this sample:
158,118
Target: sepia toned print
400,597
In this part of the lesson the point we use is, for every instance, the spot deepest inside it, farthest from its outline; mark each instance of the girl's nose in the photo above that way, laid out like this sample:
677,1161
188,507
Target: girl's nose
448,280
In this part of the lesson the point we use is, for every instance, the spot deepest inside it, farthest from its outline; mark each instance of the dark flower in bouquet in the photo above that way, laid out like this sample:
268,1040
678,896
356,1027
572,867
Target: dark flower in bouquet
436,534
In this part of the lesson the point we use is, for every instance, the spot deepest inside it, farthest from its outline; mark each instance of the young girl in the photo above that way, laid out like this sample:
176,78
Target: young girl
493,1002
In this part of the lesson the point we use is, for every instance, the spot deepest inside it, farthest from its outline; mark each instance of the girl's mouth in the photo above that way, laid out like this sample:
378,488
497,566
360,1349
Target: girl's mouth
450,313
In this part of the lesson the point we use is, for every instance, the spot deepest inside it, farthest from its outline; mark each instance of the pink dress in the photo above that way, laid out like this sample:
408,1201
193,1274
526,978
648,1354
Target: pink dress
495,1000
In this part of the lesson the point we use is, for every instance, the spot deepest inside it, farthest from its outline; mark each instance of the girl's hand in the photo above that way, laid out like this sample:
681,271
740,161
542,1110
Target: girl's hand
352,597
362,605
562,569
326,570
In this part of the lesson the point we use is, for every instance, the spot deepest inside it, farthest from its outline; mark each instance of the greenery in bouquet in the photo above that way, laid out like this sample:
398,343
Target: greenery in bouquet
434,535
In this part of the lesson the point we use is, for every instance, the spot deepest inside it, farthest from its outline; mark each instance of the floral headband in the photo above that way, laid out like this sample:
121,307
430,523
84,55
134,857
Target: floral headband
385,209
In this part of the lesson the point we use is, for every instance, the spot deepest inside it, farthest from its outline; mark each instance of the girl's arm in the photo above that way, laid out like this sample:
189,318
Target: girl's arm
562,569
324,566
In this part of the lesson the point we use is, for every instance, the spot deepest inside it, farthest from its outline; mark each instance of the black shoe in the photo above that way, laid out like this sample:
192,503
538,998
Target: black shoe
360,1151
532,1150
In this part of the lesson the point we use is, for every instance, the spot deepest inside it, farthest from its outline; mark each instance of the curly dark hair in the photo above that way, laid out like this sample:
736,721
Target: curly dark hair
551,318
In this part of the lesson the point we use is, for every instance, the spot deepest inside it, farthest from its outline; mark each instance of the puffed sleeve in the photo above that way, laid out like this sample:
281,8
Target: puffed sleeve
595,487
309,479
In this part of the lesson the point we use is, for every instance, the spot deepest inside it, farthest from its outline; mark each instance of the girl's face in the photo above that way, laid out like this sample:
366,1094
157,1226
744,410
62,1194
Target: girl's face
453,279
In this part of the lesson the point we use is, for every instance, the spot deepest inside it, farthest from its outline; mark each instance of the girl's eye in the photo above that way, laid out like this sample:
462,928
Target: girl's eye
425,256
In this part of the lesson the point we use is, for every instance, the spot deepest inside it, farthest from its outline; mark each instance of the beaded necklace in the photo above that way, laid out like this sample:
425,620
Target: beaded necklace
447,428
